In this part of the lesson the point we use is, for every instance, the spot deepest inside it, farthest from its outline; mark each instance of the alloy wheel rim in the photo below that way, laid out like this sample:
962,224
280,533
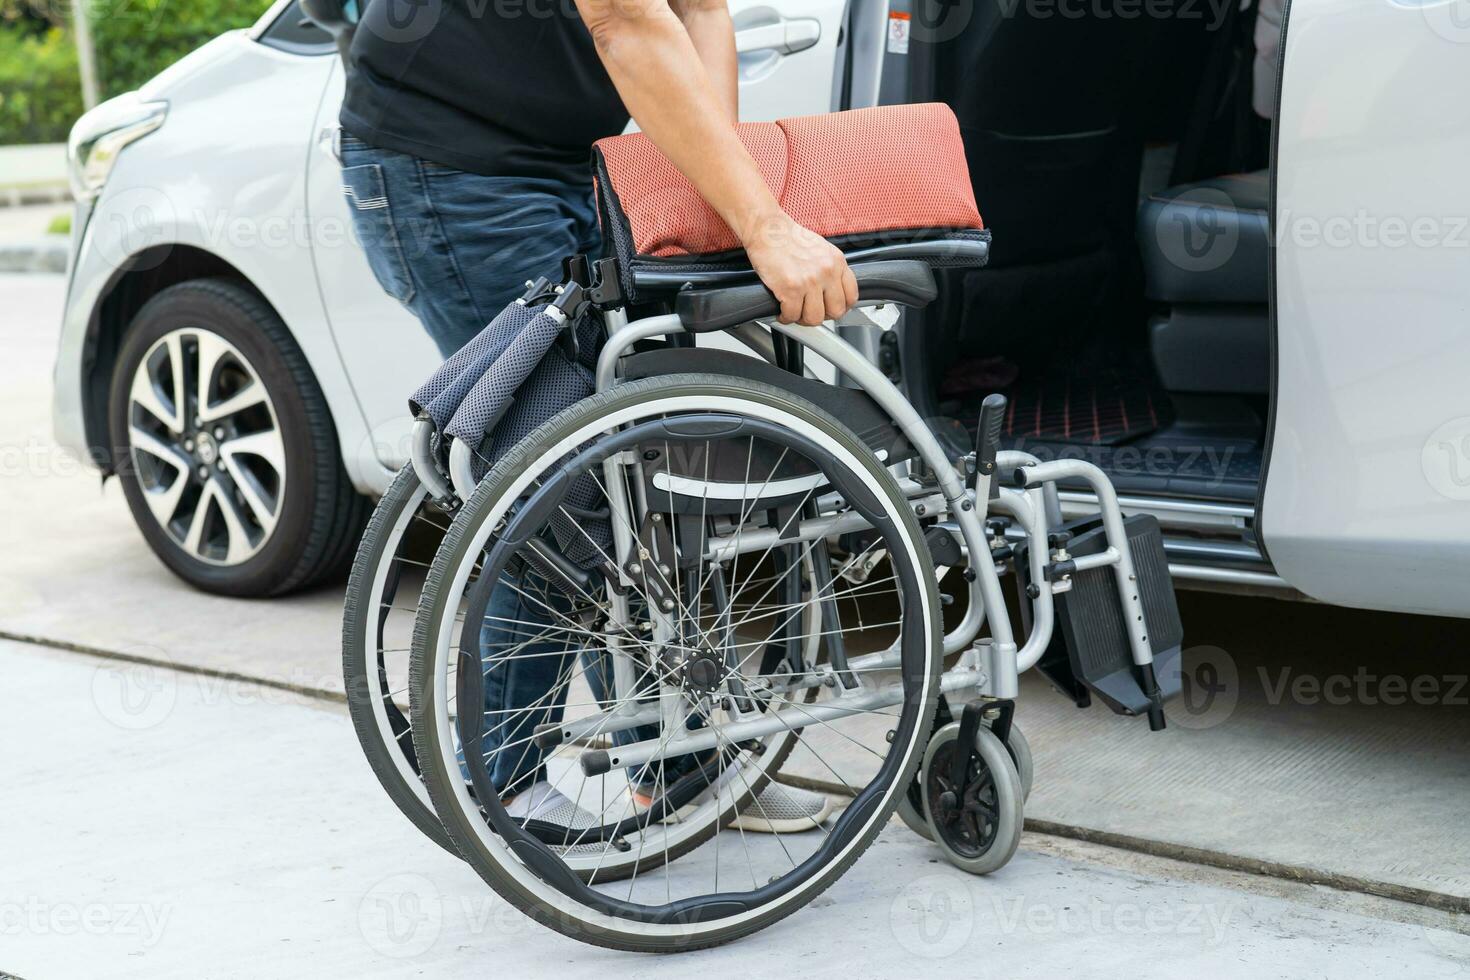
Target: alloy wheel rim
206,447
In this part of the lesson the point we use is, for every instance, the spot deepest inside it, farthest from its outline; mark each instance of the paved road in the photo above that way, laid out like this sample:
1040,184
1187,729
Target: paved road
76,568
165,825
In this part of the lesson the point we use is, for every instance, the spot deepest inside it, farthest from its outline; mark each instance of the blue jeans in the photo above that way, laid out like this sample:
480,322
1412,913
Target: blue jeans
455,248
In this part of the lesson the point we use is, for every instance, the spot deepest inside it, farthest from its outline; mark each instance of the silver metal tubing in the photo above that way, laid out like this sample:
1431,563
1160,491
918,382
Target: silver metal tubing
1112,516
461,468
1028,510
1193,514
1229,576
970,515
1053,502
609,722
622,335
756,339
728,546
1009,459
784,720
1100,560
421,454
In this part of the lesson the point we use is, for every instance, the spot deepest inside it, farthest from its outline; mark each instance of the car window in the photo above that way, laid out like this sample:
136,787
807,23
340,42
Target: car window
291,31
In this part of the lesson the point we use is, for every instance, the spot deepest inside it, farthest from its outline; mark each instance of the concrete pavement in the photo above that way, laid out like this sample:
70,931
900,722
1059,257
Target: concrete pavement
26,242
166,825
77,570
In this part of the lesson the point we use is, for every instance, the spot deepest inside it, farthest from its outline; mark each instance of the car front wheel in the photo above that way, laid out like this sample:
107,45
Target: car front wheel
225,447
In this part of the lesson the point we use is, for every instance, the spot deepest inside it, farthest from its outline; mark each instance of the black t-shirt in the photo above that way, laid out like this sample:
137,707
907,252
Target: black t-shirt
498,87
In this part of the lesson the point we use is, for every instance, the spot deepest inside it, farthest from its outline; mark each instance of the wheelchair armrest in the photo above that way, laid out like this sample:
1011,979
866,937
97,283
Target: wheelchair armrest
906,282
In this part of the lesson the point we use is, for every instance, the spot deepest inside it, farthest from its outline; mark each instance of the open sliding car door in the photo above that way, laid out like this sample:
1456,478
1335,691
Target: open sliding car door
1367,494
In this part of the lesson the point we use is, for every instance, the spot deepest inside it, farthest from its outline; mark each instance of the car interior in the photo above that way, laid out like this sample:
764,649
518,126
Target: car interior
1122,172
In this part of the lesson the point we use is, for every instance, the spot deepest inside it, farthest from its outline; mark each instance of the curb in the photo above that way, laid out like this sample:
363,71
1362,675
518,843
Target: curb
20,196
40,255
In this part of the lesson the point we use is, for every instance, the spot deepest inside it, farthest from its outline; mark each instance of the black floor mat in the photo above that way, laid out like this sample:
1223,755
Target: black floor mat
1121,420
1105,408
1168,463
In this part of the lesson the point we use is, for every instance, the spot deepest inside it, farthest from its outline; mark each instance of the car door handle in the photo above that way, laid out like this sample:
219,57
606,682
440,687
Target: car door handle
786,36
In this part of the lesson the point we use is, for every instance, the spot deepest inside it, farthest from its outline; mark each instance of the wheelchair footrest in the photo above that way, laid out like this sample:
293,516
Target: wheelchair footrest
1090,653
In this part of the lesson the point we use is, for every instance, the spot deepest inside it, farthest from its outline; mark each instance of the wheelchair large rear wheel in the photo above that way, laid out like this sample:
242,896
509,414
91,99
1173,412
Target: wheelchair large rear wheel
662,544
377,627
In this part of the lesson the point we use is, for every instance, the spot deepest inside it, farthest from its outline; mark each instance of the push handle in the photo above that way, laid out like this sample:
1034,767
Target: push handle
903,281
987,433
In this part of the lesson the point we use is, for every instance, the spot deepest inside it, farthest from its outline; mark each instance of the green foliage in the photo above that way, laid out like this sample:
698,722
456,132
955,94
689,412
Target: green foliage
136,39
40,95
40,92
32,16
60,225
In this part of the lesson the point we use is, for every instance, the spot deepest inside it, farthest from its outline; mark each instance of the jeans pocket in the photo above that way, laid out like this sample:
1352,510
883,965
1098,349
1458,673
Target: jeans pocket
373,221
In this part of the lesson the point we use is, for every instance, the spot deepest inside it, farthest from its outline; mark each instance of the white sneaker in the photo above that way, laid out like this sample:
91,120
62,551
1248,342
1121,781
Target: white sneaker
544,802
782,809
776,809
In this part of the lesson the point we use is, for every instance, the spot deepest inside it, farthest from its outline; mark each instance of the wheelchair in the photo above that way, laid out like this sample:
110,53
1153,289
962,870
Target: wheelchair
721,570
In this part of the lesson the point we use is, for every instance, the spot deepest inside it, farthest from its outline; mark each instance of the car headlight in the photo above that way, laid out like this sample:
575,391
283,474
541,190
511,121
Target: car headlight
100,135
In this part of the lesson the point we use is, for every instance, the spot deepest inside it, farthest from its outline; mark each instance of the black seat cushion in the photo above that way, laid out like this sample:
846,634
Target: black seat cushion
653,279
1207,242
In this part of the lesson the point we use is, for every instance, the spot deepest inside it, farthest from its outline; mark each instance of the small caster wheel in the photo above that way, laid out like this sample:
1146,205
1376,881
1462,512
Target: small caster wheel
1021,755
911,808
977,824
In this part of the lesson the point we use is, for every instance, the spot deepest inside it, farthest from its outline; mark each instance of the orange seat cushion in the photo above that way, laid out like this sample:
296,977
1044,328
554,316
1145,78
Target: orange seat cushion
862,174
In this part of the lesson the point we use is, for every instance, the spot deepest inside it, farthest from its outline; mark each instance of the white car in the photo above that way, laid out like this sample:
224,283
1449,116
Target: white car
1271,362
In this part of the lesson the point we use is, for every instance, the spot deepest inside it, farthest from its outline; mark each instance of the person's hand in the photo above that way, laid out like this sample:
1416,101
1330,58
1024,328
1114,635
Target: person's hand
808,274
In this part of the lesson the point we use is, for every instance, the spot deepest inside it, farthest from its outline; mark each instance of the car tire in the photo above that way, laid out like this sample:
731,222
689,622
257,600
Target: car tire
271,514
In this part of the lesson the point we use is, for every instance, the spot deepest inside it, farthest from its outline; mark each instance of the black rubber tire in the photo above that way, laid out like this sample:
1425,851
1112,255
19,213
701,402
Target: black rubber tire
1010,804
1020,749
359,633
453,551
322,514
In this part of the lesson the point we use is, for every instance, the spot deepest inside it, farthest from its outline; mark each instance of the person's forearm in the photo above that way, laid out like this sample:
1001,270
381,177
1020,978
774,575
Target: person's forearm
713,35
651,59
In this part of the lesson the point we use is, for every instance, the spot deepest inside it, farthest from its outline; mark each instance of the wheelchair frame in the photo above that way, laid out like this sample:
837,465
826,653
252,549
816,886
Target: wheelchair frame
1014,484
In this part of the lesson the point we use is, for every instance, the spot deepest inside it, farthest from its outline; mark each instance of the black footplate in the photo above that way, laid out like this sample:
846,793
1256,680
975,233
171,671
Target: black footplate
1090,653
